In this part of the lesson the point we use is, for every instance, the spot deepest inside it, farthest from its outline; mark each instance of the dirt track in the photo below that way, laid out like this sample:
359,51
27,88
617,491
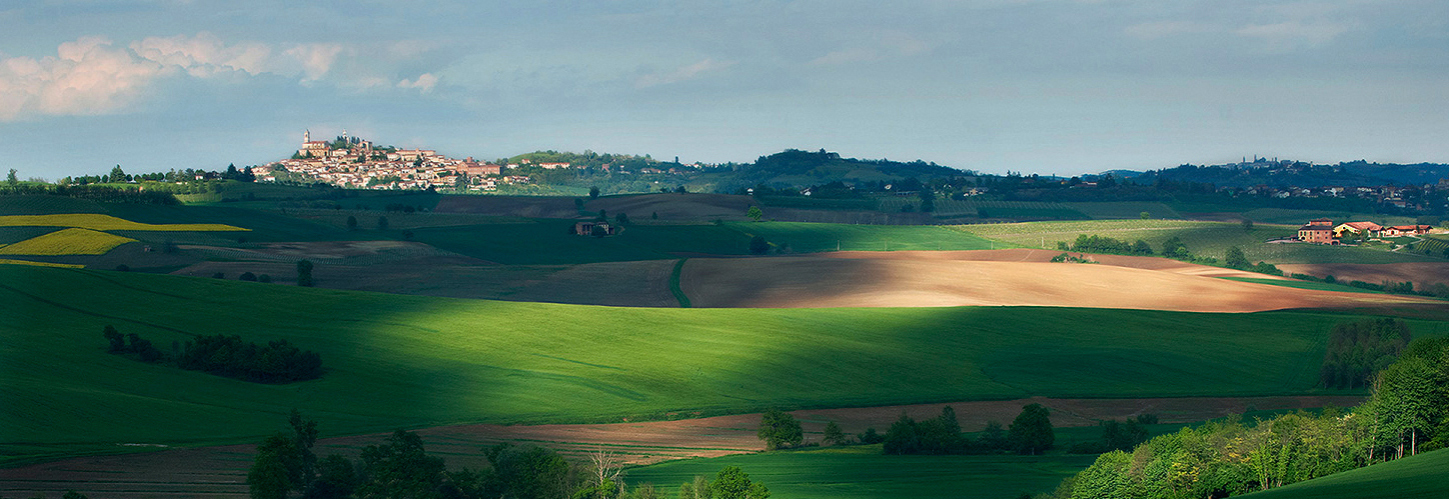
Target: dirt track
1017,277
213,472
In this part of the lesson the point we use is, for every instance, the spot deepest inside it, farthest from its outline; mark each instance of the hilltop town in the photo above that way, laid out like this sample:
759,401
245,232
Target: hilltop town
355,162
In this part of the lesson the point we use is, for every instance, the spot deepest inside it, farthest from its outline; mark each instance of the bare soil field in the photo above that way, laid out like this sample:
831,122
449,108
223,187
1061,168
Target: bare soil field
1419,273
220,472
1016,277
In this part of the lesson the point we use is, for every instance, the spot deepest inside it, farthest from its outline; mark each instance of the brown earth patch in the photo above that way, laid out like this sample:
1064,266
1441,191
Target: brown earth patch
1017,277
1421,274
220,472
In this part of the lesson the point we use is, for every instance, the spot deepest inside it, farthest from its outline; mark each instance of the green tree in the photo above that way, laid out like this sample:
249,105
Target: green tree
733,483
117,175
275,470
1247,224
832,434
758,245
779,429
117,341
400,469
1031,431
593,192
928,200
351,222
1236,259
381,223
12,179
754,213
304,273
1144,215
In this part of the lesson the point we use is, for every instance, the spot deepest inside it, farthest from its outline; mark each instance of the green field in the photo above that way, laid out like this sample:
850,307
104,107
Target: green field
863,472
1322,286
813,237
1423,476
406,361
1204,238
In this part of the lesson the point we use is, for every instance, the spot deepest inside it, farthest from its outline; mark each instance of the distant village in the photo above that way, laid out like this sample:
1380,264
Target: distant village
353,162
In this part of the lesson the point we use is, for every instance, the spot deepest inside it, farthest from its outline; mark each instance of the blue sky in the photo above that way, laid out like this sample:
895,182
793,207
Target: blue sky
1044,86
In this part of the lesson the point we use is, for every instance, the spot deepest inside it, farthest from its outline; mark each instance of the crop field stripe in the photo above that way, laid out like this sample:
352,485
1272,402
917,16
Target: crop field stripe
674,286
101,222
7,261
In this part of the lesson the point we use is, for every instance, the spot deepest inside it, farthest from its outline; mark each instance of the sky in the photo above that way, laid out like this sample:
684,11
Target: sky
1036,86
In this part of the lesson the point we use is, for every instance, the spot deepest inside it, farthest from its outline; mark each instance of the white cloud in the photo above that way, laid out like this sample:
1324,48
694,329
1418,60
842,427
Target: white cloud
316,58
846,56
681,74
87,77
204,54
424,82
1293,33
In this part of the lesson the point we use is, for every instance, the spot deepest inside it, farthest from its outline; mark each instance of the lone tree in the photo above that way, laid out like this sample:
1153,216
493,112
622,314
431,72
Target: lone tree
758,245
1031,431
304,273
832,434
733,483
594,192
754,213
1236,259
779,429
351,222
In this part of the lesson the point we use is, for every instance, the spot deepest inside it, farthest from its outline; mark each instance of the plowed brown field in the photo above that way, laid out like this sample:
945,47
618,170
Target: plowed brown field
1016,277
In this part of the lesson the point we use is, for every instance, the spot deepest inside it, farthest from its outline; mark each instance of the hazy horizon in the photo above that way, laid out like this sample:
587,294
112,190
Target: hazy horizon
1050,86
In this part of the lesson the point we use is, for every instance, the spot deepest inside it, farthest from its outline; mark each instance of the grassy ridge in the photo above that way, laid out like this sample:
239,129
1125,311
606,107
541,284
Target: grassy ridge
416,361
1422,476
862,472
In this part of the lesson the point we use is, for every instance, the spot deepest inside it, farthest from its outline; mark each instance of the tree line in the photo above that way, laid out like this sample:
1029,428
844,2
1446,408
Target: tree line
1359,350
1030,433
275,362
1405,415
285,466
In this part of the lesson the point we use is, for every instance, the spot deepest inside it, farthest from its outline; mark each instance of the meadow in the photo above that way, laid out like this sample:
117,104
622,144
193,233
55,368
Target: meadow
406,361
863,472
815,237
1421,476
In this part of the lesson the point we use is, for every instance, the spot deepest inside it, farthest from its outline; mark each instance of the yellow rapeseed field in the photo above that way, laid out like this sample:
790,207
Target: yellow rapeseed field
96,221
71,241
6,261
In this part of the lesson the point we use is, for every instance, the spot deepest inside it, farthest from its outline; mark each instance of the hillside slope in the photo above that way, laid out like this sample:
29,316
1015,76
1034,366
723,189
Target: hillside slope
1423,476
407,361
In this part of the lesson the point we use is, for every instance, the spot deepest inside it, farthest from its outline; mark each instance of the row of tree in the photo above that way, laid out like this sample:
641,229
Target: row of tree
1030,433
401,468
1405,415
276,362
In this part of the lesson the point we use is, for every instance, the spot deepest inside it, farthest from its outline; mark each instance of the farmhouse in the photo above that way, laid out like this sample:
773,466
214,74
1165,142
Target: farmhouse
1406,230
587,228
1356,228
1318,231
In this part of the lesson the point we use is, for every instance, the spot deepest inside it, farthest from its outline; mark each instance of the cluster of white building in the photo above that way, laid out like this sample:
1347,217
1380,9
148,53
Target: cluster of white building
357,164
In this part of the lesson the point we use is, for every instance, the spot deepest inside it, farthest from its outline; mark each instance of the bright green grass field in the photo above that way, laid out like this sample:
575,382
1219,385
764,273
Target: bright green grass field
814,237
1423,476
410,361
862,472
